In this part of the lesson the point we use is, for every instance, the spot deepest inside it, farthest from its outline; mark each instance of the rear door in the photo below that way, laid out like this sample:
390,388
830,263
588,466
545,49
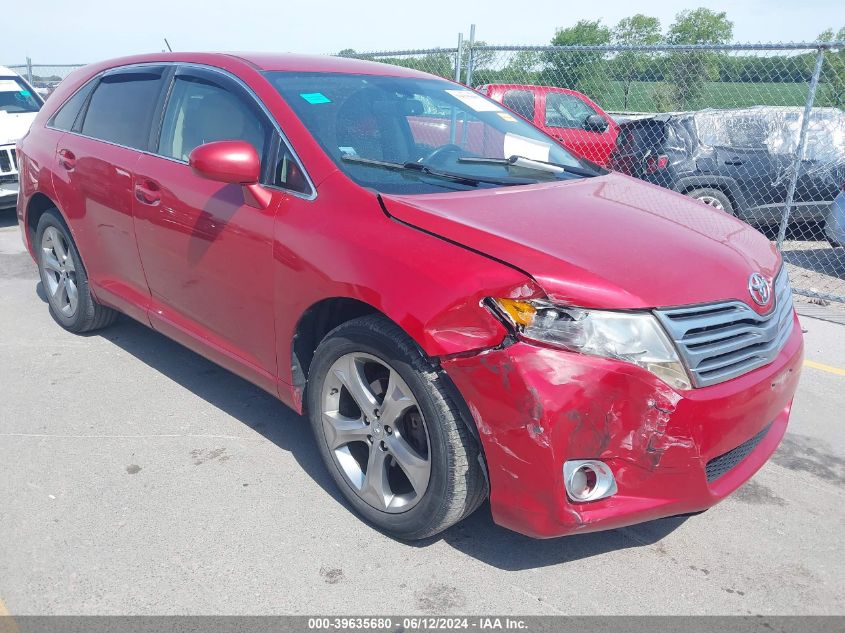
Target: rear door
208,256
95,161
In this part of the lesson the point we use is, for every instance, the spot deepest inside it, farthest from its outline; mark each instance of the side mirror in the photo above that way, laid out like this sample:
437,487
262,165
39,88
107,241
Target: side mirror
232,162
595,123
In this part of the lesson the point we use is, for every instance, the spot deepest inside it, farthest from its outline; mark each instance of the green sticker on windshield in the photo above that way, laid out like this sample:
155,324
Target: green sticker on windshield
25,93
315,97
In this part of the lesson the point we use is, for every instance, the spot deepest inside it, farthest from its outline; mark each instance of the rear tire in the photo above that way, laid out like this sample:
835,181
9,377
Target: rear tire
64,279
713,198
408,494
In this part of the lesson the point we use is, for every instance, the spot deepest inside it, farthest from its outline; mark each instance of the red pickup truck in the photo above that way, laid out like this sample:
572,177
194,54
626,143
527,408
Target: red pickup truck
566,115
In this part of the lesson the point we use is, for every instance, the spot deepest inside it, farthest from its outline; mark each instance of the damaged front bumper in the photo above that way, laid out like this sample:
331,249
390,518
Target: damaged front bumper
536,408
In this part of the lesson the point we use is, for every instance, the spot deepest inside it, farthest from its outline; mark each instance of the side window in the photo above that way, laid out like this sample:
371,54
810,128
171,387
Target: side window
67,114
563,110
288,174
200,112
521,102
121,108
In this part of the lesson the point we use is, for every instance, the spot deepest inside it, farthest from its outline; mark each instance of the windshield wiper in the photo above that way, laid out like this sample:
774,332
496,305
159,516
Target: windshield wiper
530,164
420,168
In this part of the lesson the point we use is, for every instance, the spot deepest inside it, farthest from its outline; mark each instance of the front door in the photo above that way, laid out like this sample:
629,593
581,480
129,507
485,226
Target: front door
207,255
565,120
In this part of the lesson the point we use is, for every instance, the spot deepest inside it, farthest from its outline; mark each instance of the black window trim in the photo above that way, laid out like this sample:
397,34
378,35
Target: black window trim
168,76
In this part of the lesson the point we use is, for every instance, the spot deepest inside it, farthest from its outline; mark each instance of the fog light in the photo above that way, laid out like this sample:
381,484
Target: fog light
588,480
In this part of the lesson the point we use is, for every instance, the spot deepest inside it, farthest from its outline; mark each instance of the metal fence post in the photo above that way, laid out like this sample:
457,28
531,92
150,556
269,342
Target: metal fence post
799,152
29,70
469,61
459,55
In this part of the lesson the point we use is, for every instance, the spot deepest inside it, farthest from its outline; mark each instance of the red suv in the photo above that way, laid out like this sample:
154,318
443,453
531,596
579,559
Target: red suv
568,116
462,308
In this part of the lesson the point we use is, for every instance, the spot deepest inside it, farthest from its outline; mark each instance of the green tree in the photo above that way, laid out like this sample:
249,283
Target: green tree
832,80
481,60
522,68
572,68
347,52
637,30
687,71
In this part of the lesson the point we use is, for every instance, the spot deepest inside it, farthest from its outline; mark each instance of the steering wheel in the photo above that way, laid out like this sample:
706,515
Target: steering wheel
439,153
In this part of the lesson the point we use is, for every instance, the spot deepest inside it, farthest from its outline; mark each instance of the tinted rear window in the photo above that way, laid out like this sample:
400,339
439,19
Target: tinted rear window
121,109
642,136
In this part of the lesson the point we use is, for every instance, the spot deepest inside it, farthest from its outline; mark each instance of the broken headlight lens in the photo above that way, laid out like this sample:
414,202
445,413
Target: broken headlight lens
633,337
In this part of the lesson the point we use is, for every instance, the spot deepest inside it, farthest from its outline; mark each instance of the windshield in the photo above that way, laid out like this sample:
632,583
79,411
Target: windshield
408,135
16,97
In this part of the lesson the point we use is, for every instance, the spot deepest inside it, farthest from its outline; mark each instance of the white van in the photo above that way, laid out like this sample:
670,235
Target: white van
19,104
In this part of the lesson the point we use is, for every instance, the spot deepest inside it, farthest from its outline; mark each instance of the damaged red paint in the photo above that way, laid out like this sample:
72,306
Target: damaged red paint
536,407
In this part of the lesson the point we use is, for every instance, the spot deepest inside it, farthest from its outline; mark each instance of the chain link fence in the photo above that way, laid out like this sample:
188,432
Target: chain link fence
755,130
44,77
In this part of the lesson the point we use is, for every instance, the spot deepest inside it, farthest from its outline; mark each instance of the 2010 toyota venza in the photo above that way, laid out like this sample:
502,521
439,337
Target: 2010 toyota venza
462,308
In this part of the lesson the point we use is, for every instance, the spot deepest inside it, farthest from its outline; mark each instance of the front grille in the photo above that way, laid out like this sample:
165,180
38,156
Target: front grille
721,341
8,161
720,465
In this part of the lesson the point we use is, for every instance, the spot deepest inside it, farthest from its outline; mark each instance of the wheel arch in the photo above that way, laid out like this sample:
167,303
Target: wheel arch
725,185
325,315
37,205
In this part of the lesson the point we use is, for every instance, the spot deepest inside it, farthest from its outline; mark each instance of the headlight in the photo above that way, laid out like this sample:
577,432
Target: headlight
633,337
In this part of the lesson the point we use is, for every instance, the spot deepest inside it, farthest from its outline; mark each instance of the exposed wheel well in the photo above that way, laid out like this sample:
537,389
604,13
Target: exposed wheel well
314,324
38,204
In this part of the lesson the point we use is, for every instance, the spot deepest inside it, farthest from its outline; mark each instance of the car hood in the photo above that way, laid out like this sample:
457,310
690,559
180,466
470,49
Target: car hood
604,242
14,126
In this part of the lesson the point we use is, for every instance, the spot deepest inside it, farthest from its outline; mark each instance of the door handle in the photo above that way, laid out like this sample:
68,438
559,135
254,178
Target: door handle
67,159
147,192
733,161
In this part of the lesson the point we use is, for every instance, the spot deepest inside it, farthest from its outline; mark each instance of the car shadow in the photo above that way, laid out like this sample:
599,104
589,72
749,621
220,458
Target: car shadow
254,407
8,218
477,536
798,231
827,261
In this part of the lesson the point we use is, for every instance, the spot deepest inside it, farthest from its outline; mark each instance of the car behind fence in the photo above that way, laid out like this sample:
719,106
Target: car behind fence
755,130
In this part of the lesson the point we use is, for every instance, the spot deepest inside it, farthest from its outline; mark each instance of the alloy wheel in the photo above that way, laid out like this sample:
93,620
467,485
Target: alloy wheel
711,202
59,272
375,432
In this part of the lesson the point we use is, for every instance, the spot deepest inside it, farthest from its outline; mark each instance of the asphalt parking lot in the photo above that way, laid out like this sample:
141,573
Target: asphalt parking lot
137,477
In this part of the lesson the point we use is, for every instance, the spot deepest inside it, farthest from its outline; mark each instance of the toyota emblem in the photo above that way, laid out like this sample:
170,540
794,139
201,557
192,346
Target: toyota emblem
759,289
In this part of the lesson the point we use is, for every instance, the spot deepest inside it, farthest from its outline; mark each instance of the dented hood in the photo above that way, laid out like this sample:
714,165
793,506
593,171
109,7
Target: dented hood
604,242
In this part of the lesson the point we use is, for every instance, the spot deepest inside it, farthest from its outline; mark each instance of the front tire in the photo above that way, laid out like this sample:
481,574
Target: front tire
390,432
64,279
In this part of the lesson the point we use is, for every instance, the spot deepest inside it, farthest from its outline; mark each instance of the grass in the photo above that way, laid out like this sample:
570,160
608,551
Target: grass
714,94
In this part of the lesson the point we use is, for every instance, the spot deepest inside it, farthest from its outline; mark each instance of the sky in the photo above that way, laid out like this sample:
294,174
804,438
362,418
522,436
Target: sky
83,31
